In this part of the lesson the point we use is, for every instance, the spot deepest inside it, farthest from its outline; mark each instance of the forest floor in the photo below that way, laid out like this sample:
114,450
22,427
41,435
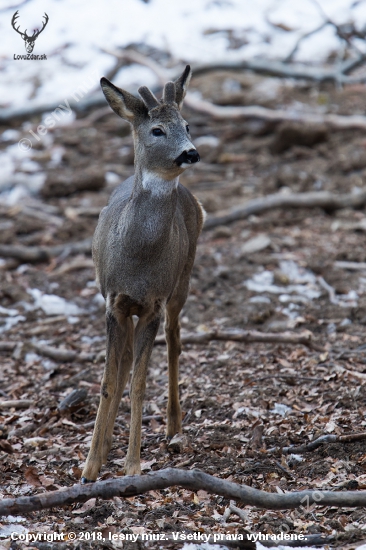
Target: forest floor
269,272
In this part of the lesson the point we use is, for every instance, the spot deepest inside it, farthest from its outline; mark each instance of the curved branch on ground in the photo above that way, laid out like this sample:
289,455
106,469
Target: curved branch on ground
193,480
313,199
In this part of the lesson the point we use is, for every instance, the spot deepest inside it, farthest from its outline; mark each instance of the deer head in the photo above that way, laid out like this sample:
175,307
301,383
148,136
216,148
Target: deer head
28,40
161,135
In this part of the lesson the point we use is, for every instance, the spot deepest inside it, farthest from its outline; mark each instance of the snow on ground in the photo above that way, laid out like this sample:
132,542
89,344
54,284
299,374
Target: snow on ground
193,30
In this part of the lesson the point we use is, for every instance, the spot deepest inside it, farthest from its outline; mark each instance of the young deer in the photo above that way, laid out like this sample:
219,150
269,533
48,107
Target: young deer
143,249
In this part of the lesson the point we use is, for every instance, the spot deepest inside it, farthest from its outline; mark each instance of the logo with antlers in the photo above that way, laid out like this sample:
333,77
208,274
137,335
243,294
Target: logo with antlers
28,40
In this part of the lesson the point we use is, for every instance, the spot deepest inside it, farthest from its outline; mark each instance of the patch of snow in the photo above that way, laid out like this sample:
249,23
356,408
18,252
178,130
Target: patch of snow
53,305
280,408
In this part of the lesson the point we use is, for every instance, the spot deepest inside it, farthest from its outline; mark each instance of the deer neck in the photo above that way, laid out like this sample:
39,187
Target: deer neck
154,185
152,209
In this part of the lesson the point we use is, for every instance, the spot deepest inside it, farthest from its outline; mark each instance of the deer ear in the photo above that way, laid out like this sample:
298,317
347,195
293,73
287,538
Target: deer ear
181,85
124,104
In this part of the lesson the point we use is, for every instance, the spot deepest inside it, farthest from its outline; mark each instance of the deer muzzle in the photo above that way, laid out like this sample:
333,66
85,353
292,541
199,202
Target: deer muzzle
188,157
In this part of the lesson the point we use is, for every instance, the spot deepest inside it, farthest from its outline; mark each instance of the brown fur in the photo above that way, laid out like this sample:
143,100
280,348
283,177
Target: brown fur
144,248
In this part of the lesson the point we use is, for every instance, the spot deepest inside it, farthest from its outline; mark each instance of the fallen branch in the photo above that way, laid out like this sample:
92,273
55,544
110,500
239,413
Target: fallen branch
356,374
316,199
193,479
63,355
16,404
239,112
7,346
34,254
352,266
338,122
322,440
269,67
237,335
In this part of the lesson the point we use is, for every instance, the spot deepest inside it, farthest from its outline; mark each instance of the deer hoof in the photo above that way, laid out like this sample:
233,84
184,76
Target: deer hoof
84,481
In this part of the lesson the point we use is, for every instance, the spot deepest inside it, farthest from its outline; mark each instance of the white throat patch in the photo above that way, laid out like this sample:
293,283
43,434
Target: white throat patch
157,185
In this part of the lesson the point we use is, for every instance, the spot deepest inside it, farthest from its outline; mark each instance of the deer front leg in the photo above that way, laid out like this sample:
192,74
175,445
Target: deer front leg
172,334
145,334
114,351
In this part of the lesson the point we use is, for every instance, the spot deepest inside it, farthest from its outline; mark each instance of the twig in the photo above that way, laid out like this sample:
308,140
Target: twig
290,56
34,254
331,292
238,335
356,374
241,513
16,404
194,480
352,266
292,376
330,438
320,199
284,470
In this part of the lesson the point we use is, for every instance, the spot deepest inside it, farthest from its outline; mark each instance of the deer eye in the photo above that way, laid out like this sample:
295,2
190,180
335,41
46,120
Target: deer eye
158,132
187,128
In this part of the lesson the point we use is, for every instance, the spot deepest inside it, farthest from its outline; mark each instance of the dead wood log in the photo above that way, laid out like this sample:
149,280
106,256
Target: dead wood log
34,254
237,335
193,479
313,199
322,440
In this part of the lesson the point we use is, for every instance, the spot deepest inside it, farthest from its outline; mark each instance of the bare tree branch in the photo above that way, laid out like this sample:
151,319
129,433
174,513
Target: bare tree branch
329,438
193,479
33,254
320,199
237,335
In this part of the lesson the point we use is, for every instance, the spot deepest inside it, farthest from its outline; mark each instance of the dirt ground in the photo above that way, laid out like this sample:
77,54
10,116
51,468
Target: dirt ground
273,283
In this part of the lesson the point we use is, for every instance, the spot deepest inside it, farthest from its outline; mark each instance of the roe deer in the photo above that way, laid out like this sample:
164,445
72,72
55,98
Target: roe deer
143,249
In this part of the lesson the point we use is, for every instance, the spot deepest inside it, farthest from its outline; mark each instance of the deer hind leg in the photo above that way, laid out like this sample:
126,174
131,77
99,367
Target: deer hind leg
172,334
145,333
116,339
124,367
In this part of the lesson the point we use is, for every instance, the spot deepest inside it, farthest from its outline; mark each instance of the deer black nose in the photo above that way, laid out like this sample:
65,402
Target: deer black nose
188,157
193,156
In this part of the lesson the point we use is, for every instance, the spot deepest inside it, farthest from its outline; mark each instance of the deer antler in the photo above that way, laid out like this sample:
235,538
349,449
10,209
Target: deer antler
13,21
37,33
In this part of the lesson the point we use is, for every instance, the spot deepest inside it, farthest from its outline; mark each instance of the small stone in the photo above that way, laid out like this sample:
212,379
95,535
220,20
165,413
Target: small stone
222,232
256,244
178,443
